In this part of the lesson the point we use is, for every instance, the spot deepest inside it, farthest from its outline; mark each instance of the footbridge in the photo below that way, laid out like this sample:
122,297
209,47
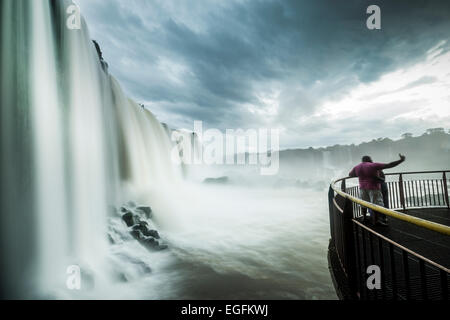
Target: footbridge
409,259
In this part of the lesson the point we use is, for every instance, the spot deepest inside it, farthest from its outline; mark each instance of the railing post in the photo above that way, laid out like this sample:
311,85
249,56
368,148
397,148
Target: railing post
331,211
343,187
402,191
349,247
444,178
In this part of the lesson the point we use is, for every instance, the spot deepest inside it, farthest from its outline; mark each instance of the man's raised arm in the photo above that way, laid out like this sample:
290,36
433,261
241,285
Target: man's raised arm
395,163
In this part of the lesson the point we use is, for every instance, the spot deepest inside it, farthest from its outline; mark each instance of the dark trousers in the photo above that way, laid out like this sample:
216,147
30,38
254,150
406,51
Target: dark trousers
385,193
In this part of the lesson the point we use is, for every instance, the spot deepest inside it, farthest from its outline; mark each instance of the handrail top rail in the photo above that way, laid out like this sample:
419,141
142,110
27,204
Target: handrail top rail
396,173
393,213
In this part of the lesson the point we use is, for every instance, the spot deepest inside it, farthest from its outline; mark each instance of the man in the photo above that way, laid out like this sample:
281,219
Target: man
384,189
369,183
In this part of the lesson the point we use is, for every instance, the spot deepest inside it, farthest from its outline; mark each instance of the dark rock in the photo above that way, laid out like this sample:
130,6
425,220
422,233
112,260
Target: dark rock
129,219
123,210
137,234
221,180
149,243
121,277
99,51
145,231
143,223
152,244
147,211
111,240
139,227
153,233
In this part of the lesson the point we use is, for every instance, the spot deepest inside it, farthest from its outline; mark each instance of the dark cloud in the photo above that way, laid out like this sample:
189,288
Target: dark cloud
210,60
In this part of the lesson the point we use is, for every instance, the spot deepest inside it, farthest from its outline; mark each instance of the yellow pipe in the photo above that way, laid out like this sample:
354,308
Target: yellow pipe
395,214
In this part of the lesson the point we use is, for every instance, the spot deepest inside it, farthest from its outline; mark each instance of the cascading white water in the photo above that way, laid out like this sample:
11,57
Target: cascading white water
89,148
48,148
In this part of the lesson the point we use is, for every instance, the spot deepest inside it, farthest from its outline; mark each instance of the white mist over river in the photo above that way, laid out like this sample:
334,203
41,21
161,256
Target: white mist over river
253,244
233,243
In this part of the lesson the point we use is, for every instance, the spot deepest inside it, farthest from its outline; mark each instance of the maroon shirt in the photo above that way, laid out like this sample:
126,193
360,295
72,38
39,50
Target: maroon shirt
366,171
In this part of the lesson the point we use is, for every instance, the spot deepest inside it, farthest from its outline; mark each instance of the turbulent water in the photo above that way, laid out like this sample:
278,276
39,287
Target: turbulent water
74,149
233,243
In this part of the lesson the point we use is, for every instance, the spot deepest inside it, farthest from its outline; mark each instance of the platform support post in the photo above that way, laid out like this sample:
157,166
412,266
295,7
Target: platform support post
349,247
444,178
402,192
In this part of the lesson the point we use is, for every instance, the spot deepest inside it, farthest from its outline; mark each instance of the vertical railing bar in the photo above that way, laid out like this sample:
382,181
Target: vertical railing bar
358,264
383,276
349,246
429,193
393,274
359,195
390,194
364,267
393,195
406,274
396,195
411,196
405,192
421,196
434,193
423,279
444,178
372,259
416,194
408,198
372,256
438,191
402,192
419,193
444,286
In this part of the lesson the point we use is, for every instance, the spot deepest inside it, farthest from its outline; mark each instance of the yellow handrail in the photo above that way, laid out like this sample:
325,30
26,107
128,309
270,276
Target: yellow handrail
395,214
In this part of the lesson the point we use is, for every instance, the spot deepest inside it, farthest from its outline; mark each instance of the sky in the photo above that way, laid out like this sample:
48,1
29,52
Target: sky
311,69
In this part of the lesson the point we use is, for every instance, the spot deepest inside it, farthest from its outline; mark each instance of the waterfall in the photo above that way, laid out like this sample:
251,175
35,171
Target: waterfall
72,146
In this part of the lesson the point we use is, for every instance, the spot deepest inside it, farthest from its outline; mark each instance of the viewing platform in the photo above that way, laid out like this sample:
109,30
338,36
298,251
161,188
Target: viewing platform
412,252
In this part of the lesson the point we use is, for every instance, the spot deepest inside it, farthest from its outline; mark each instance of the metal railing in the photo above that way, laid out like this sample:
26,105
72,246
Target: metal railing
408,191
405,274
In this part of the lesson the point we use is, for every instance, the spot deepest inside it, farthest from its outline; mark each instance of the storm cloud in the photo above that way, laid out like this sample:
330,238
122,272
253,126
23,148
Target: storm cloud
277,64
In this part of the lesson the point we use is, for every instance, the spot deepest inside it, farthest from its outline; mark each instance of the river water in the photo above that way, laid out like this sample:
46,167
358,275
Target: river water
236,243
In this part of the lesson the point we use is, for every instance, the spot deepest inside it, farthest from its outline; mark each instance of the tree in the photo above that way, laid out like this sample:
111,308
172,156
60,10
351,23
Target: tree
407,135
435,130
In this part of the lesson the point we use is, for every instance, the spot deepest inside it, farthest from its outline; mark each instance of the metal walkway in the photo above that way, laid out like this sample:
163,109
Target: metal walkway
412,252
430,244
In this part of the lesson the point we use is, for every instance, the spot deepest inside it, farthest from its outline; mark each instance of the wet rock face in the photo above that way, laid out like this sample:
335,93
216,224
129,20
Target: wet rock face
130,219
133,217
145,230
146,210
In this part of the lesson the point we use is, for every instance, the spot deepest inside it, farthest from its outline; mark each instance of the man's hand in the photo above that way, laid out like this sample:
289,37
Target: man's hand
395,163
